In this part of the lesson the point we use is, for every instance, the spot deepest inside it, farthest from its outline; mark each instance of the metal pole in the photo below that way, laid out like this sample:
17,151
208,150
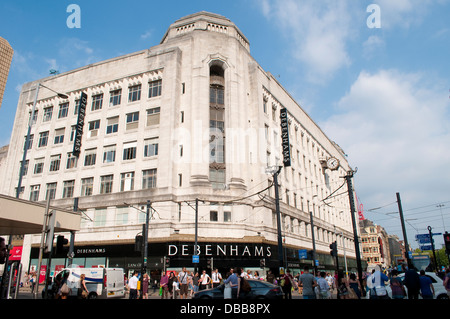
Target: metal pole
311,218
405,238
196,231
41,247
432,248
277,208
348,178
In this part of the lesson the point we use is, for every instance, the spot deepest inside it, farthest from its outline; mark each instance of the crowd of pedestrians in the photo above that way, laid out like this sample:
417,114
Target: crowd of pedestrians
309,285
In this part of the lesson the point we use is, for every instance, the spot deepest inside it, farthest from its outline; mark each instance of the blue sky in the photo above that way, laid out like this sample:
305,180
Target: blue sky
381,93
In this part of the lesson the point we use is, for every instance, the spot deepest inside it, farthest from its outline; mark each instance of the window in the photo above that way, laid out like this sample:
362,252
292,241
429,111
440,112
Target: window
134,93
217,178
149,178
93,128
109,154
106,183
73,132
126,181
71,161
216,142
114,97
213,216
55,161
59,136
87,185
34,193
216,95
63,110
227,217
39,166
51,191
30,142
25,167
97,102
43,139
151,147
129,151
48,111
35,116
112,125
89,157
154,88
132,120
153,116
100,217
68,189
265,105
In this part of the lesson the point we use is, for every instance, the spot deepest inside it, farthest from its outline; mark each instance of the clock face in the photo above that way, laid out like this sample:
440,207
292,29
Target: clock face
332,163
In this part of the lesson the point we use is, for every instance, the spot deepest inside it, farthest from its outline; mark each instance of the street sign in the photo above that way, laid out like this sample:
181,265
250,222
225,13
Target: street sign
422,236
426,247
302,254
195,259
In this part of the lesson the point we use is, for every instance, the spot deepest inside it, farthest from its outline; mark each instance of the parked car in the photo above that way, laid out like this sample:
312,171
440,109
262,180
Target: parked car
439,290
260,290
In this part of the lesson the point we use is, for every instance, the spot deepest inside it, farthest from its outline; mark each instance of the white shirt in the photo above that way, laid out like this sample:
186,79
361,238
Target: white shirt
216,277
132,283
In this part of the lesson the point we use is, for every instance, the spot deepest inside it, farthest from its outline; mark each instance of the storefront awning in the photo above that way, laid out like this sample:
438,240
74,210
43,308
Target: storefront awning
21,217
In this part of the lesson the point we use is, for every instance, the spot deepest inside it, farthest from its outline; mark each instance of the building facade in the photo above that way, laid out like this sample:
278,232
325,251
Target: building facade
191,125
375,244
6,55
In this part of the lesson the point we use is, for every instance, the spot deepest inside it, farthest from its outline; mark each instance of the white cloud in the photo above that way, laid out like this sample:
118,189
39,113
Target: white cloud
318,32
372,46
394,127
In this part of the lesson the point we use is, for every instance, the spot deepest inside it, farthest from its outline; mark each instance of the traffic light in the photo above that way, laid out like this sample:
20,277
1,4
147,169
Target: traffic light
60,242
167,261
138,242
447,242
333,247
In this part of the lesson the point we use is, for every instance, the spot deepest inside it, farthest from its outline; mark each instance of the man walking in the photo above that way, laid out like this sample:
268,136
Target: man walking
132,284
308,282
183,281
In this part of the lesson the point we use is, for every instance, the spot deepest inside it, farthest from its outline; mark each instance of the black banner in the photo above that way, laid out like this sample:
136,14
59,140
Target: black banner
285,138
80,124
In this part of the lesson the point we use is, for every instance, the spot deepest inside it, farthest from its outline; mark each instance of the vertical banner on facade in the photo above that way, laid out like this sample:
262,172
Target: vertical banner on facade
80,124
285,138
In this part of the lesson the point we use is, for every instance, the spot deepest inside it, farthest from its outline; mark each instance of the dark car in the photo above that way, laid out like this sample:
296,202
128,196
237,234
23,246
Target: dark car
260,290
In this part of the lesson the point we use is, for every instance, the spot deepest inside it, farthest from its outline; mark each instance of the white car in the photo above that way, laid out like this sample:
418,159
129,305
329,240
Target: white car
439,290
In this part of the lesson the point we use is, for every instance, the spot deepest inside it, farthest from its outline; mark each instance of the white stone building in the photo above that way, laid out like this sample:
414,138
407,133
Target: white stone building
193,117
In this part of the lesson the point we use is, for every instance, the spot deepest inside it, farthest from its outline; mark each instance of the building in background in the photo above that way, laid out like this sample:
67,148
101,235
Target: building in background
6,55
375,244
193,118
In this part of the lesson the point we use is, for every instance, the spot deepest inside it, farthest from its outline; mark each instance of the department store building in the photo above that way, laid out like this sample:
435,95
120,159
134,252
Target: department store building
195,117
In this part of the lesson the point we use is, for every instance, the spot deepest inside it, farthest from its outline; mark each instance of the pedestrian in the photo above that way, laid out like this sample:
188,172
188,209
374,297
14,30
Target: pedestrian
175,287
83,292
145,282
446,282
256,275
170,285
323,286
3,251
65,290
308,282
233,280
183,281
342,286
397,287
204,281
412,283
164,285
378,280
227,289
216,277
195,279
132,285
354,284
243,286
330,281
426,286
270,277
286,284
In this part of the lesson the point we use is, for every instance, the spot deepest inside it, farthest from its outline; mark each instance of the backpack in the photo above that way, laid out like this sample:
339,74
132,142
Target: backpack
245,286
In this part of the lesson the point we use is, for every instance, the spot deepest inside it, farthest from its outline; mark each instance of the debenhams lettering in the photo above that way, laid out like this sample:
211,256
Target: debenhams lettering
91,251
221,250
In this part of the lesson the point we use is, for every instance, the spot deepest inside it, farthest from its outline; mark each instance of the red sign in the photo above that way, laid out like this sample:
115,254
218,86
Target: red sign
42,274
16,253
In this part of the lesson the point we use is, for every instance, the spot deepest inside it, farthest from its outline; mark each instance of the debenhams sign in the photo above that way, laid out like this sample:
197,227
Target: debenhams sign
220,250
